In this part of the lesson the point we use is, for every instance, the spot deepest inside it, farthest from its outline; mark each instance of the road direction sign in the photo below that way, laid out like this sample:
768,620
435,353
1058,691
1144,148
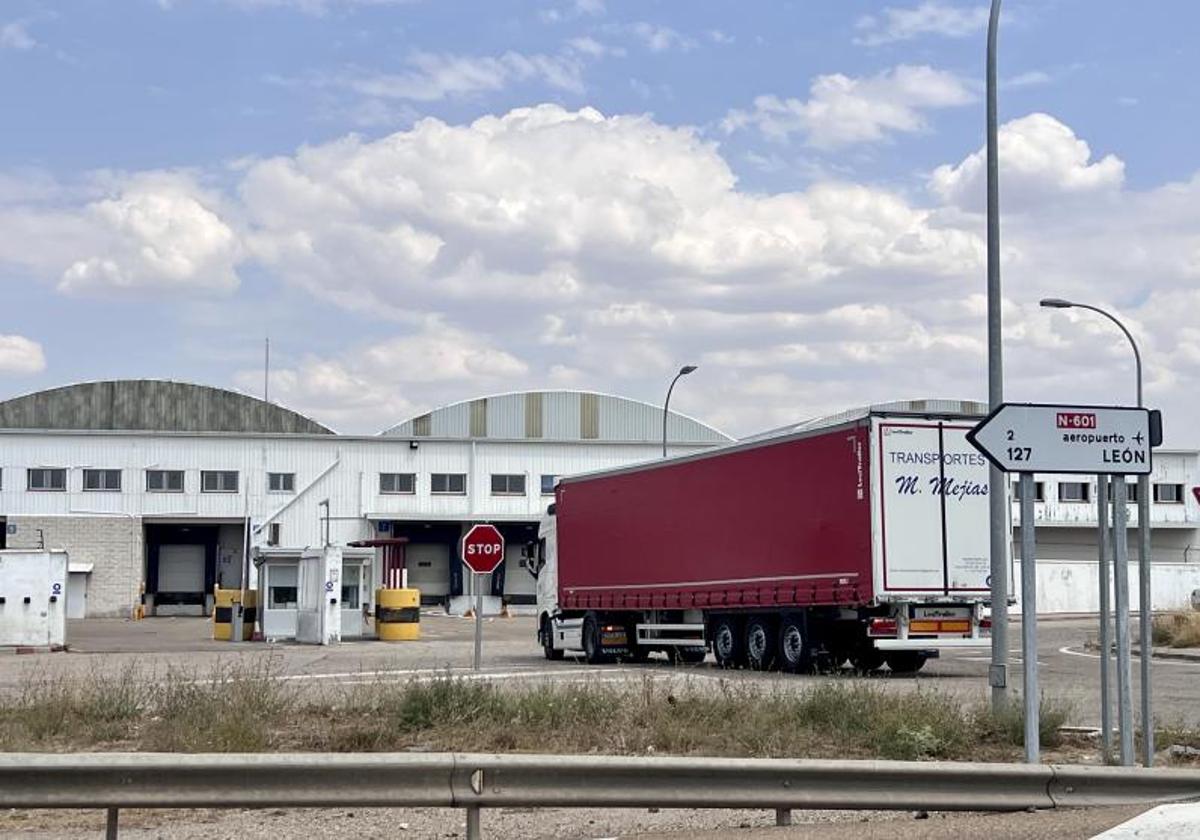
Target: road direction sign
1029,437
483,549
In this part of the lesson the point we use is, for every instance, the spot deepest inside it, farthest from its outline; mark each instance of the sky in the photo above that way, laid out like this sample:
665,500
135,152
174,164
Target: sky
422,202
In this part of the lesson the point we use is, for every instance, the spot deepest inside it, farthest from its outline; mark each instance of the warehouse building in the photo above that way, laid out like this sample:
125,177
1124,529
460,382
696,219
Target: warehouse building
160,490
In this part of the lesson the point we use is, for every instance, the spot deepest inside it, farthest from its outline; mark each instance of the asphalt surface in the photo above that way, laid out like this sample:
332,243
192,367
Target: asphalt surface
1068,667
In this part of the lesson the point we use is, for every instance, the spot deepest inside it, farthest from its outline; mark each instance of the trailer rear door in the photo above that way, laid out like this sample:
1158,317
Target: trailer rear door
930,509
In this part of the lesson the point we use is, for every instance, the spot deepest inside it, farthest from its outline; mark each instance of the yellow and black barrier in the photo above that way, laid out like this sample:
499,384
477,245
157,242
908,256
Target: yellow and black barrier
224,603
398,615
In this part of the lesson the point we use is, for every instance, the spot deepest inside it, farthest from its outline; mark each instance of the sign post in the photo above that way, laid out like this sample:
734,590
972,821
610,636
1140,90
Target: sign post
482,552
1101,440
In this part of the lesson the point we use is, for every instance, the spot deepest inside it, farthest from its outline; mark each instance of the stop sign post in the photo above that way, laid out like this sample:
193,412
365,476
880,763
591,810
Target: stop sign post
482,552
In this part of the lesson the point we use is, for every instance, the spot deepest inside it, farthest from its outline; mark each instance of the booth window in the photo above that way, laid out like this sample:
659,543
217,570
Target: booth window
282,587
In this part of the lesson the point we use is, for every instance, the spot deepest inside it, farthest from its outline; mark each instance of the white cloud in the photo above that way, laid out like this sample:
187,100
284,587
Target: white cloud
548,247
14,36
157,232
1040,159
437,76
375,386
931,17
20,355
841,110
573,9
653,36
1031,78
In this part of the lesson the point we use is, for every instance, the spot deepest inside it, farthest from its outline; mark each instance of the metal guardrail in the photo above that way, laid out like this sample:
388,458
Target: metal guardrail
454,780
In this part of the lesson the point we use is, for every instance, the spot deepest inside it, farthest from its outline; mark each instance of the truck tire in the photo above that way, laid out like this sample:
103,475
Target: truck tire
905,661
760,644
795,645
547,636
593,650
728,643
867,659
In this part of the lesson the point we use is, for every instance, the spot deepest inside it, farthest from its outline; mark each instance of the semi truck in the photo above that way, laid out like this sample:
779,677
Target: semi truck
858,539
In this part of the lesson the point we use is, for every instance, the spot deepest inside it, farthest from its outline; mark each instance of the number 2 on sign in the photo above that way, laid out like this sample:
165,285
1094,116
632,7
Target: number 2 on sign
1019,453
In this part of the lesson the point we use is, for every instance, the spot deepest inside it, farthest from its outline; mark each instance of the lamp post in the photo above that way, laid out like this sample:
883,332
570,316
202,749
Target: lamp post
998,512
1145,617
683,371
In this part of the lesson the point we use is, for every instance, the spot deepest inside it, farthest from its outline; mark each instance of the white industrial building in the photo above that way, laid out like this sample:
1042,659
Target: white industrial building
150,486
160,490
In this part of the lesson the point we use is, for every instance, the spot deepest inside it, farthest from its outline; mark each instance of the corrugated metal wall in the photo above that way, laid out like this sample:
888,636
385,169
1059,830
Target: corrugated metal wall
151,405
557,415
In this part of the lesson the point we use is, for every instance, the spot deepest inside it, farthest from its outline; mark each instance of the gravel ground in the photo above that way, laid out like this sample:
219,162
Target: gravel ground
542,824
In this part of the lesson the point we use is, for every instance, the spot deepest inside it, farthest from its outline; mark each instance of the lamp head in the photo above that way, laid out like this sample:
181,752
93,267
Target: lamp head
686,369
1056,303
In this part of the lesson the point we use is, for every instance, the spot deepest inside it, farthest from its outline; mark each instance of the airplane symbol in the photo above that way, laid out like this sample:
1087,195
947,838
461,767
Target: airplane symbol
1139,437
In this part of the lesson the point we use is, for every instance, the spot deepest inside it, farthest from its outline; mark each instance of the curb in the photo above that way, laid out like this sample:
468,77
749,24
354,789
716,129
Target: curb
1183,654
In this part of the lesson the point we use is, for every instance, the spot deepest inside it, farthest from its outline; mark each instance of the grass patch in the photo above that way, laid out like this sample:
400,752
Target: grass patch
248,708
1177,630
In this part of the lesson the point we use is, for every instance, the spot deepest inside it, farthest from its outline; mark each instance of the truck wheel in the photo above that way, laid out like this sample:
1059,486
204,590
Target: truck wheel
548,649
593,650
795,646
760,644
728,644
905,661
867,659
688,655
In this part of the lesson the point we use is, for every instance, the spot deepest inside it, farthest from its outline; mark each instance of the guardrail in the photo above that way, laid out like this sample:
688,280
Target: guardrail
454,780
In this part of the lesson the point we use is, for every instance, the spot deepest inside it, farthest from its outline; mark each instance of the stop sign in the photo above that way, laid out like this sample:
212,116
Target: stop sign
483,549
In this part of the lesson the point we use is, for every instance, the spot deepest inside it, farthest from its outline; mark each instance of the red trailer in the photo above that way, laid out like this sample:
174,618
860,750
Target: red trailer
860,537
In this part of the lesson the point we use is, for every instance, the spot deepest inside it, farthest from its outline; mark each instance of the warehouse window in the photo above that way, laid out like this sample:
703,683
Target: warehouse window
1131,491
102,480
393,483
281,482
1039,491
218,481
273,533
48,480
1074,491
448,483
282,587
1168,494
508,485
548,484
164,481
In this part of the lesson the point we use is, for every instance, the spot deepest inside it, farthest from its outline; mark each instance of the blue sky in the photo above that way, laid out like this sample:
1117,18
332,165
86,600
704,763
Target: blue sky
424,201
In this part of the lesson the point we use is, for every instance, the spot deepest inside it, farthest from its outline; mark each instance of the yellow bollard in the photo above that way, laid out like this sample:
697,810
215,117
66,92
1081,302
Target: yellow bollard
398,615
224,603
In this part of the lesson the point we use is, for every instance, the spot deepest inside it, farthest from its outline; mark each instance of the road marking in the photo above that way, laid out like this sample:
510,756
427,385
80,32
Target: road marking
431,673
1132,655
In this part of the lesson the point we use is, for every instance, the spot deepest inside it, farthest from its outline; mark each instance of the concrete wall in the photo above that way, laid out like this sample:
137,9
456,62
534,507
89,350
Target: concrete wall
114,544
1066,586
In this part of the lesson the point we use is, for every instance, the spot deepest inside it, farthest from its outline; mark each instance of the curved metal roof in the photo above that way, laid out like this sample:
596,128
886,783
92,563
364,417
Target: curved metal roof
557,415
151,405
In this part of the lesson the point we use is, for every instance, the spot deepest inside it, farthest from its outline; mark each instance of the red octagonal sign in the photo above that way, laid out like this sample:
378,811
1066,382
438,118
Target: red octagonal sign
483,549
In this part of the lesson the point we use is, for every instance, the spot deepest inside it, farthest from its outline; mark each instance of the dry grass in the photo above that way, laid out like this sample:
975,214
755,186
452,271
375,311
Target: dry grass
249,709
1177,630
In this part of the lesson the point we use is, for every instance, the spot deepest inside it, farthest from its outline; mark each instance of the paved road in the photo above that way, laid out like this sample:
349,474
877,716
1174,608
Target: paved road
1068,670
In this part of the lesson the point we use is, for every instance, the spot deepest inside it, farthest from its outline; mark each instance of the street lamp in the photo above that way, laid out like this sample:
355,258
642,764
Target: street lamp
1145,618
683,371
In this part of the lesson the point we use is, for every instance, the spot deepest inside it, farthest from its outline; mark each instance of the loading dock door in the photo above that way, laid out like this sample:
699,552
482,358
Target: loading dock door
520,587
181,569
429,569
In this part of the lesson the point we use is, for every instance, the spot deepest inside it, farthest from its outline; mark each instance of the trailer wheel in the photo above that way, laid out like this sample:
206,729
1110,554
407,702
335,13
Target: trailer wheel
593,650
728,644
867,659
905,661
795,645
760,644
547,636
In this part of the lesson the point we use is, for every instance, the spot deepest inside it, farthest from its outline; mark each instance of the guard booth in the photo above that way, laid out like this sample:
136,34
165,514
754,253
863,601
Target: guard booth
319,596
33,598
